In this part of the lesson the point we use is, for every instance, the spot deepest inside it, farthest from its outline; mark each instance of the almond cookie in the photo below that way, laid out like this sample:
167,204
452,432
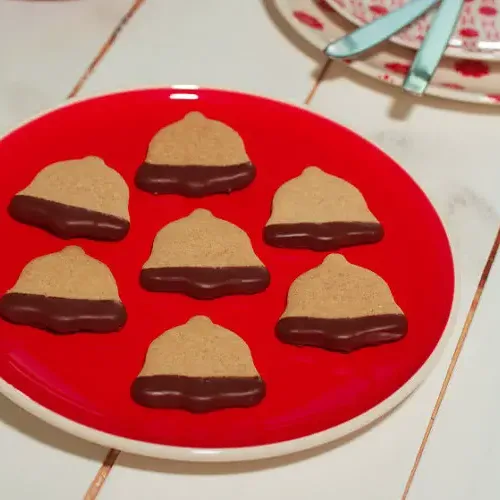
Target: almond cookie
203,257
319,211
76,199
195,156
198,366
65,292
340,307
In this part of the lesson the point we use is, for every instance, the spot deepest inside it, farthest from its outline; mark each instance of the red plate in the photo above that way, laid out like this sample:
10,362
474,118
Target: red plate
86,378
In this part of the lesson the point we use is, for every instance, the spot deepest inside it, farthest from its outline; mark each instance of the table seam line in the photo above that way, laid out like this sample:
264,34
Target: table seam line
451,367
317,81
105,47
102,474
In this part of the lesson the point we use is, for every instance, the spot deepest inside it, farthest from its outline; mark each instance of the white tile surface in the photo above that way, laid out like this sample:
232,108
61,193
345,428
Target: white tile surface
462,457
39,461
46,47
212,43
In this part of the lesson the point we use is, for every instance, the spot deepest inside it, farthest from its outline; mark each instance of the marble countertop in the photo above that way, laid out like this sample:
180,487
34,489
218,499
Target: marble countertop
442,442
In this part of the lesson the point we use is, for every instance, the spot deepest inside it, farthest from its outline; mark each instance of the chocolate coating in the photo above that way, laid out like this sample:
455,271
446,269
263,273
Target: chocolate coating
196,394
67,221
342,335
322,236
61,315
206,282
192,180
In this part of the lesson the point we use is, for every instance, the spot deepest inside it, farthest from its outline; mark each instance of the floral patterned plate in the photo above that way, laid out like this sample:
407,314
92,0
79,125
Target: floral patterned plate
457,79
477,35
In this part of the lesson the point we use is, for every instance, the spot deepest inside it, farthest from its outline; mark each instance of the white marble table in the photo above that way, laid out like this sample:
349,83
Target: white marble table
52,50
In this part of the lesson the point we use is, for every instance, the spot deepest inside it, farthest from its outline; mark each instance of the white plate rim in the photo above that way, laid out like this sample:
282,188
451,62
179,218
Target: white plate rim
190,454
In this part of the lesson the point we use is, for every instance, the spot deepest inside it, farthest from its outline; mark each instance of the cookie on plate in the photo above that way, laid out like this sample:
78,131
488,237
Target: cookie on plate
198,366
204,257
195,156
65,292
81,198
340,307
319,211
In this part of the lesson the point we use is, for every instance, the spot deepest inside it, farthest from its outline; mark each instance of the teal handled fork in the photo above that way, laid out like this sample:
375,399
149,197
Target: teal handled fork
377,31
433,47
431,51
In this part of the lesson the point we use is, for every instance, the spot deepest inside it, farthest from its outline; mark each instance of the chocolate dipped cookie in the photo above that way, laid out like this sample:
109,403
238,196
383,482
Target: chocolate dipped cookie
195,156
204,257
65,292
340,307
81,198
198,366
319,211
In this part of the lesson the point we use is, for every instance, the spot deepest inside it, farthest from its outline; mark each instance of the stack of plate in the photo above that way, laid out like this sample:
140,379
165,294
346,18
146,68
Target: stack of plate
470,70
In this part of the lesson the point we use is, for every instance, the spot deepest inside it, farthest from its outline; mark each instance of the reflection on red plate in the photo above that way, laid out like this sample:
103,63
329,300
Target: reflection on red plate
87,377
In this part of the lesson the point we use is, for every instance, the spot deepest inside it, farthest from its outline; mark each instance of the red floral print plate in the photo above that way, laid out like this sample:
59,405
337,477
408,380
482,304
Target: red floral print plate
81,383
457,79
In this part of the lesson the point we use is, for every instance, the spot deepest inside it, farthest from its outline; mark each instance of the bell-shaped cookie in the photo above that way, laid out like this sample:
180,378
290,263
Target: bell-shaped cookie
65,292
198,366
81,198
340,307
319,211
203,257
195,156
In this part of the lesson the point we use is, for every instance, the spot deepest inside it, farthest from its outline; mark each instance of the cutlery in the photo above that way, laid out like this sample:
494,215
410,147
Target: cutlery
435,43
379,30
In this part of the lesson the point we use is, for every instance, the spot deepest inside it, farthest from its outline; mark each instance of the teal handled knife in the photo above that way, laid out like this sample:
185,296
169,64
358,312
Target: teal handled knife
435,43
379,30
